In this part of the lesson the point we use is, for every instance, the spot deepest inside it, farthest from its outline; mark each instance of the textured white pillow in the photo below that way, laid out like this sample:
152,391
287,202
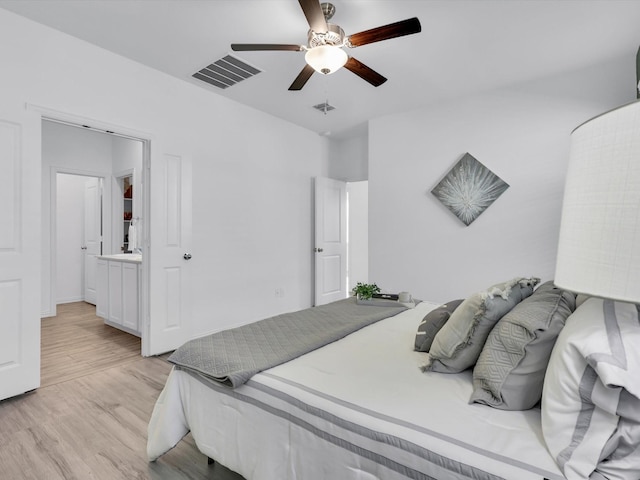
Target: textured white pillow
591,395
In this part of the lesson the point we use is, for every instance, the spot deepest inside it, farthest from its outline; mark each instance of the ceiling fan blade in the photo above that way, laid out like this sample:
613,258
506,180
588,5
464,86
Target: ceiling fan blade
364,72
386,32
302,78
248,47
313,11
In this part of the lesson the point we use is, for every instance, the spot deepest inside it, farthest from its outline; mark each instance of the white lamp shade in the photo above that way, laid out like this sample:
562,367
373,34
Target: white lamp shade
599,247
326,59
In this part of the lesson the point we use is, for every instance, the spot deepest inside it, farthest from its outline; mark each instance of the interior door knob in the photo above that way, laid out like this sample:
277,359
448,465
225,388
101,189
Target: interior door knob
187,256
318,250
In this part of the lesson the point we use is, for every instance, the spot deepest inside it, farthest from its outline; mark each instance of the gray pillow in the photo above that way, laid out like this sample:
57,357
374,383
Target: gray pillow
458,344
432,323
510,371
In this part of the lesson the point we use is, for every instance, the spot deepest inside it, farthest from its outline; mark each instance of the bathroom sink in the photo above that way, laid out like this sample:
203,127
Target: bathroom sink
131,257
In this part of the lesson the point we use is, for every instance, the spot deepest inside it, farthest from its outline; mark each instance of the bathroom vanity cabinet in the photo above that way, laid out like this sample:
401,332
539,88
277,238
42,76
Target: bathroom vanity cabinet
118,291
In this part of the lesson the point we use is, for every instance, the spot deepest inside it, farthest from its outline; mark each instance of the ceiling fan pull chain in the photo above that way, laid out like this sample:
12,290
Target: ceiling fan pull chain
326,93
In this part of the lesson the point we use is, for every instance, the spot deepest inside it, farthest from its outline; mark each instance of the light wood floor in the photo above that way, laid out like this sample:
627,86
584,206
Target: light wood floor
89,418
76,343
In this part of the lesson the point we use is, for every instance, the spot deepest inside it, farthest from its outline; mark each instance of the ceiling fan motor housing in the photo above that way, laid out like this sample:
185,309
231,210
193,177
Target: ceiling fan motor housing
333,36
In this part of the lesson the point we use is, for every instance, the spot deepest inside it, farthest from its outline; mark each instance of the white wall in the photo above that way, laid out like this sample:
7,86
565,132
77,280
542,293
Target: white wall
252,189
69,238
349,158
522,134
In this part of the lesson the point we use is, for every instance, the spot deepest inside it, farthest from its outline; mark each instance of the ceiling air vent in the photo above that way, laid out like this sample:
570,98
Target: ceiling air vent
324,107
226,72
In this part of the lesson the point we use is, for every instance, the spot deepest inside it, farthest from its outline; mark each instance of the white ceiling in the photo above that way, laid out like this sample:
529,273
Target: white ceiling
465,46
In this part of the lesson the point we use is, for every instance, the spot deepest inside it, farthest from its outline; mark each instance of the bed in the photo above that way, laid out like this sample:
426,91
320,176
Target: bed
367,406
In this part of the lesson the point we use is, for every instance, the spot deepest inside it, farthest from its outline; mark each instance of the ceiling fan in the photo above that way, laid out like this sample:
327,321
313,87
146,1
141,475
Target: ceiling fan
324,52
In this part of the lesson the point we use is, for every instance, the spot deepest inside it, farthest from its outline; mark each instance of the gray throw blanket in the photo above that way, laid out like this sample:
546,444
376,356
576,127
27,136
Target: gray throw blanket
233,356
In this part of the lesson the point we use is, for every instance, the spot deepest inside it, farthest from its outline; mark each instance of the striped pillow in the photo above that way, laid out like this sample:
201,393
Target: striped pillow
591,396
432,323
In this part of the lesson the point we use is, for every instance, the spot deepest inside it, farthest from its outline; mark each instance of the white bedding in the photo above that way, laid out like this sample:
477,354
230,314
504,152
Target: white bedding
359,408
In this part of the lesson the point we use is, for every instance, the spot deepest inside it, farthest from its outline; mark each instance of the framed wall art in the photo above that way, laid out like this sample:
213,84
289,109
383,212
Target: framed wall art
469,188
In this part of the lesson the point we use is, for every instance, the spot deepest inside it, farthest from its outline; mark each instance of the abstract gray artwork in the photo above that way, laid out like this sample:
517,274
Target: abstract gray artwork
469,188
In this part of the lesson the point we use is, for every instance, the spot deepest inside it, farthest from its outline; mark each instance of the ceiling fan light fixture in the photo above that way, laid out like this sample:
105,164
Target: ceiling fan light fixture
326,59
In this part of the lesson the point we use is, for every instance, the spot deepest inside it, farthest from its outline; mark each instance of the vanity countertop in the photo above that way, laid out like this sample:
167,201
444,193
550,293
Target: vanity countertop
123,257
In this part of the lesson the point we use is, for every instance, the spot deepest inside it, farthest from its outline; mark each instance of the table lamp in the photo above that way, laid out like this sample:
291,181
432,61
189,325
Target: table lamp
599,246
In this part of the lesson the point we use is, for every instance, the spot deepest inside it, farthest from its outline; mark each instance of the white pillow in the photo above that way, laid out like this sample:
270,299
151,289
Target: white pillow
591,396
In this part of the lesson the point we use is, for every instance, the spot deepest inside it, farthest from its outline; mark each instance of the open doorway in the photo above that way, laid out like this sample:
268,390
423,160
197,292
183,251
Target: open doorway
83,219
85,152
357,233
341,238
165,306
78,239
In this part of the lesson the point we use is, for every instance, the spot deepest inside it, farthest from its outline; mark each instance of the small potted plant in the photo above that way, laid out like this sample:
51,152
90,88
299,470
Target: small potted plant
365,291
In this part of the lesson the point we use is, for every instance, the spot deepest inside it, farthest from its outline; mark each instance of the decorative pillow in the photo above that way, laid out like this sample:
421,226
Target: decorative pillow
457,345
580,299
510,370
432,323
591,395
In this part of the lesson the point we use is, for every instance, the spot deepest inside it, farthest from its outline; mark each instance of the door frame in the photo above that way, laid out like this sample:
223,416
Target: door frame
357,238
52,310
147,140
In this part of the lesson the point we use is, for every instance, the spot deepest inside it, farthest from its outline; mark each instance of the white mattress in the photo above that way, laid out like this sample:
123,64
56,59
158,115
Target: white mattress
359,408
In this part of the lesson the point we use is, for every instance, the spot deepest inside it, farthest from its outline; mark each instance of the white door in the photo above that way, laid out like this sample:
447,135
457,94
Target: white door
92,236
331,240
20,235
170,263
